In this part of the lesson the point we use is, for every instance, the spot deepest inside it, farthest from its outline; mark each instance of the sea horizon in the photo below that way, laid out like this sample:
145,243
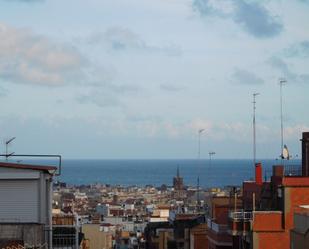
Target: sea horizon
142,172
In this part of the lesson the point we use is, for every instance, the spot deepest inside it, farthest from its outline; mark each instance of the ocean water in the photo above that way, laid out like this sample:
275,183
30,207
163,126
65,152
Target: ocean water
217,173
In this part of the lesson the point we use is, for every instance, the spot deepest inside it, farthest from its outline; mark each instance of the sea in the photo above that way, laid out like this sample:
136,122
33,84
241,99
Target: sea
211,173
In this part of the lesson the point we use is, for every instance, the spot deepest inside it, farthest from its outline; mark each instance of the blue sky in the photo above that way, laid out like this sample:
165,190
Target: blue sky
139,78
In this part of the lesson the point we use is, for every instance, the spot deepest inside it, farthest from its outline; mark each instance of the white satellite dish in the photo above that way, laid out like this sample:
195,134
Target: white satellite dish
285,153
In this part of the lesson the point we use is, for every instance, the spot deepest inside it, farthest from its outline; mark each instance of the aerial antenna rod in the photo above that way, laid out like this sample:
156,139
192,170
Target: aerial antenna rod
200,131
39,155
254,128
211,153
281,83
7,149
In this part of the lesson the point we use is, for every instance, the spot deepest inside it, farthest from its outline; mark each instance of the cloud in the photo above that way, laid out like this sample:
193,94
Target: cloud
286,72
241,76
300,49
3,92
25,1
33,59
252,16
283,68
204,7
214,131
170,88
213,7
256,19
295,131
278,63
108,95
99,98
123,39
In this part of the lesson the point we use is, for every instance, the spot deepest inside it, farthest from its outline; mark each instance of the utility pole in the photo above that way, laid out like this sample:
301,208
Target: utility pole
281,83
254,128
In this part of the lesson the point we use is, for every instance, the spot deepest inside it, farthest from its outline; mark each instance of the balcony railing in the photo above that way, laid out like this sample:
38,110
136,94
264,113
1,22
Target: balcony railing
240,215
218,228
292,170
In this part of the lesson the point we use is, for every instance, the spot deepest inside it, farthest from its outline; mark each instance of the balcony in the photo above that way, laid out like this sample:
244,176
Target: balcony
218,228
240,215
240,222
65,232
218,234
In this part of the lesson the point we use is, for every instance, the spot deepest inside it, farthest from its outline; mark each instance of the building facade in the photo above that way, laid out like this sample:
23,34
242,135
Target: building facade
26,204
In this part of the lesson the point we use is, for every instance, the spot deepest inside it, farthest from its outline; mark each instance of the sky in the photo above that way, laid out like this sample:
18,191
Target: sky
129,79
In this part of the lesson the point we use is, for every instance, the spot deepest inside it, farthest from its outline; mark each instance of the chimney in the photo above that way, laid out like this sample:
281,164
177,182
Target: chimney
278,170
258,174
305,154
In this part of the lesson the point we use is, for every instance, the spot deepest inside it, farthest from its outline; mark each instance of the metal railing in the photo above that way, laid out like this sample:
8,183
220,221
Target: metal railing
292,170
64,241
209,223
57,173
66,230
240,215
218,228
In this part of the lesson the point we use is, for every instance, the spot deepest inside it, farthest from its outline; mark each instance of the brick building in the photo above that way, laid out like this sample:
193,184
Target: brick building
268,208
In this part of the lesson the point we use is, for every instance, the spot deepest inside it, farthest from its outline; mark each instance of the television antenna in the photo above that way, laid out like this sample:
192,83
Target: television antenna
200,131
7,154
281,83
254,128
211,153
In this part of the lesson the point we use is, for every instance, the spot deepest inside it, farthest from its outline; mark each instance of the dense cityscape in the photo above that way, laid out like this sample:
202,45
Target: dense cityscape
154,124
174,216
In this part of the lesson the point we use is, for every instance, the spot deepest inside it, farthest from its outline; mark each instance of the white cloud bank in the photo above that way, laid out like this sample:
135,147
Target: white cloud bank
33,59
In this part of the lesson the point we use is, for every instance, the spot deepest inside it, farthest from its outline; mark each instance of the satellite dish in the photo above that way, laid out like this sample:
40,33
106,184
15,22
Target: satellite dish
285,153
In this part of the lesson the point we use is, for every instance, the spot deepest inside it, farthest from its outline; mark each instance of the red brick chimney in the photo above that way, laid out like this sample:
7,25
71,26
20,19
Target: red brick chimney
258,174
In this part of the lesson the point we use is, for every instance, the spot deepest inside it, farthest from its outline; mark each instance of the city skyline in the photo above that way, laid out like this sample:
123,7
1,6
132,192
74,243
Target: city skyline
139,79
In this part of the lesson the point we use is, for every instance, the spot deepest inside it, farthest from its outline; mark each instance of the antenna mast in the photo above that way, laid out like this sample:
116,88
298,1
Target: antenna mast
281,83
210,155
198,158
6,148
254,128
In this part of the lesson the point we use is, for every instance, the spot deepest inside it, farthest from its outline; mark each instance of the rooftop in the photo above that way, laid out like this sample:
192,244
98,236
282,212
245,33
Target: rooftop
48,169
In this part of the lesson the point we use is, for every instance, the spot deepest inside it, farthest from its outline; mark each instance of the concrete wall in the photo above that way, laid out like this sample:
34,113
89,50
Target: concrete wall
30,234
97,239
